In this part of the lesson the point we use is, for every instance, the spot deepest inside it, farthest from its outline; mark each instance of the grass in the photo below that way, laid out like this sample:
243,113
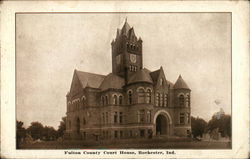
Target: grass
129,144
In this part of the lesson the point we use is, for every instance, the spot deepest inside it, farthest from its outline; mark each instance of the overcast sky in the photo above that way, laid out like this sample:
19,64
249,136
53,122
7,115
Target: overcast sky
50,46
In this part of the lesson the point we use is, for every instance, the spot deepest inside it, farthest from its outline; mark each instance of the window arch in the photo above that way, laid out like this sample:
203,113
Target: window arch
120,100
141,95
130,97
115,100
181,100
148,96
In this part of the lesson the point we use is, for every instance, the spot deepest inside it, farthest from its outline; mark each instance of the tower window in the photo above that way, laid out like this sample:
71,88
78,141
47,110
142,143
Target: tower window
182,118
188,100
106,100
130,97
140,95
181,100
148,96
188,118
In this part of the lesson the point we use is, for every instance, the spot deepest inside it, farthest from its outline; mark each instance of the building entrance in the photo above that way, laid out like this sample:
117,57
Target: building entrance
161,125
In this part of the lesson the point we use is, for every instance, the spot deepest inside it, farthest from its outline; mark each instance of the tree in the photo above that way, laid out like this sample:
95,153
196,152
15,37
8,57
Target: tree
36,130
222,122
49,133
61,127
20,132
198,126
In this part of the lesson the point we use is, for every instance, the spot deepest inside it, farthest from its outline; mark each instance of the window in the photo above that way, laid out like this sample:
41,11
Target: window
115,99
181,100
140,95
161,81
121,134
83,121
103,118
188,118
120,100
142,133
157,99
69,124
130,97
106,100
141,116
130,133
103,101
148,116
115,117
148,96
165,100
116,134
161,99
182,118
120,117
135,68
188,101
106,117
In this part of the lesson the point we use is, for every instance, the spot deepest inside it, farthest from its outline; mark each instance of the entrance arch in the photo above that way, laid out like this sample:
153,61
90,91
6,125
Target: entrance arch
163,123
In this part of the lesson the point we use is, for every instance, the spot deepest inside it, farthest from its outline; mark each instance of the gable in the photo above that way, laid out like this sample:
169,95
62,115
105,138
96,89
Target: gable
76,85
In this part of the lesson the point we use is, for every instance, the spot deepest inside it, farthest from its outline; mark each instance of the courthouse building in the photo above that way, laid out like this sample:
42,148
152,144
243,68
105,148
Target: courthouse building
130,102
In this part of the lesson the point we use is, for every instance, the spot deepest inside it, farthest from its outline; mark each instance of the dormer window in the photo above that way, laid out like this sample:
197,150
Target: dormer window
161,81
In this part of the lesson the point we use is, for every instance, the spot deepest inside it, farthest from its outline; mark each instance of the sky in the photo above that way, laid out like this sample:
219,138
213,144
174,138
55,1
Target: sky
50,46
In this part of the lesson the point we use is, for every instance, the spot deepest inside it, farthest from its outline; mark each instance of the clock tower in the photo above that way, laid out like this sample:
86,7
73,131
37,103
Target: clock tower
126,52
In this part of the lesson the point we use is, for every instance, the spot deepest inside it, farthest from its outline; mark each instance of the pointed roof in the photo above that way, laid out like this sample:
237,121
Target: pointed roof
140,76
180,84
89,79
112,81
125,28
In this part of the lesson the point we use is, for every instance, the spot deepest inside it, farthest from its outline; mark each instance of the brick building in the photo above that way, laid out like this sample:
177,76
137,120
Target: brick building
130,102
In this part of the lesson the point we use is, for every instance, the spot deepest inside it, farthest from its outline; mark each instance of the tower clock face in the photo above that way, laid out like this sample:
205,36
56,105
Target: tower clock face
132,58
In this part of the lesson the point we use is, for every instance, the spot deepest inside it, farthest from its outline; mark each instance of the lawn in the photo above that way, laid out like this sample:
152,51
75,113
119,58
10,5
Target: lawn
129,144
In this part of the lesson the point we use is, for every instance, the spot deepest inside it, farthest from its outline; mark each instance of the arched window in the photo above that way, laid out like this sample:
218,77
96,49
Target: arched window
106,100
157,99
120,100
141,95
103,101
115,99
148,96
130,97
188,101
181,100
83,101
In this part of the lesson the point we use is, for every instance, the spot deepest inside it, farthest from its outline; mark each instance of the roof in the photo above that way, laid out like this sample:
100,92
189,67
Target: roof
125,28
180,84
155,75
141,76
112,81
90,79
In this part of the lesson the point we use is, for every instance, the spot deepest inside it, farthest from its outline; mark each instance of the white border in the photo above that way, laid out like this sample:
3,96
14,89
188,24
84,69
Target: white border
240,68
